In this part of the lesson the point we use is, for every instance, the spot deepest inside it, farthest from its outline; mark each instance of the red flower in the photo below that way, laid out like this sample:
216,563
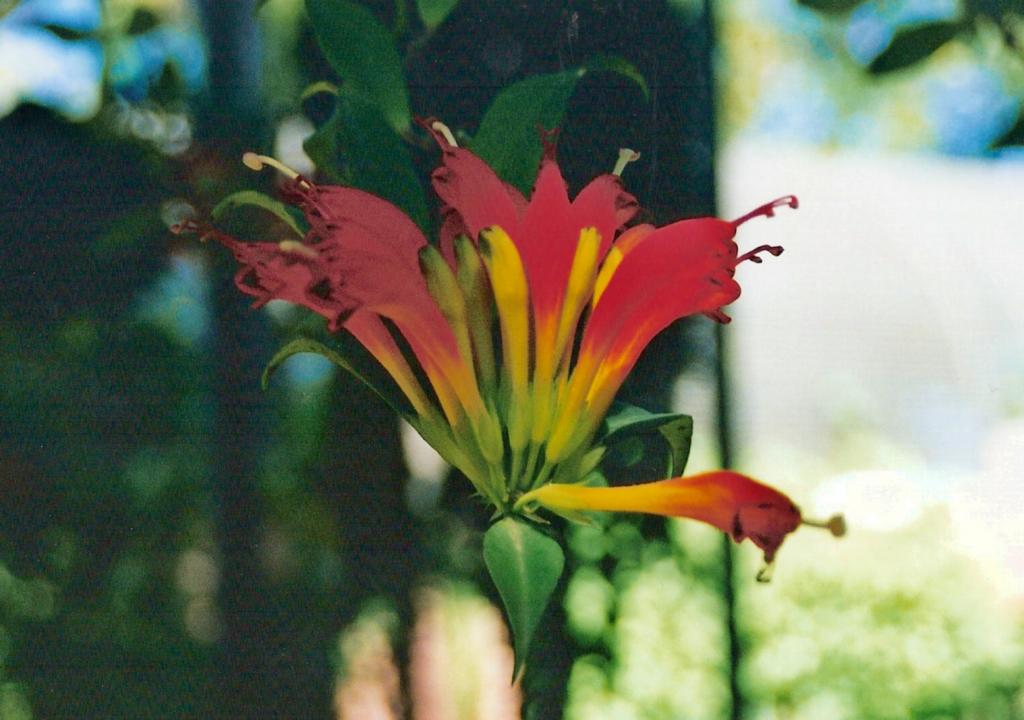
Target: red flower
552,270
733,503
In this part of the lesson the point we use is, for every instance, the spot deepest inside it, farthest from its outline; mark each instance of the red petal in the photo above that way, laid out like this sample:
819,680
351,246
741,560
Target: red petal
551,228
470,190
745,508
370,252
547,240
362,251
269,272
369,249
604,204
760,512
678,270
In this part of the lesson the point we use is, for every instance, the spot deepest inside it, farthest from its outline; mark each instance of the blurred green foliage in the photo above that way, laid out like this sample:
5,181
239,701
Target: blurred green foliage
994,27
362,51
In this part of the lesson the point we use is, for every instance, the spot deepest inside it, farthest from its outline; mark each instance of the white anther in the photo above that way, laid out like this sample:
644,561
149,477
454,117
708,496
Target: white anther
298,248
257,162
835,525
626,156
445,132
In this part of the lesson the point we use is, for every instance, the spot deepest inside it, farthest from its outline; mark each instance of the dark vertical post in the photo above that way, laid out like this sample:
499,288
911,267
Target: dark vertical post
238,441
361,475
724,427
725,451
232,100
228,118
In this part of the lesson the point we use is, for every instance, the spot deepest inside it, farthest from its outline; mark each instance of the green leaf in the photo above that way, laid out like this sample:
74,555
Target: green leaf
831,6
6,6
525,565
619,66
142,22
66,33
322,148
433,12
911,45
1013,136
350,356
626,423
258,199
358,148
508,138
362,51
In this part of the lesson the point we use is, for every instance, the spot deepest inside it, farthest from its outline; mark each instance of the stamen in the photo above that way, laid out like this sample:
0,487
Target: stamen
294,246
189,226
626,156
764,575
256,162
718,316
192,227
768,210
445,131
752,256
835,525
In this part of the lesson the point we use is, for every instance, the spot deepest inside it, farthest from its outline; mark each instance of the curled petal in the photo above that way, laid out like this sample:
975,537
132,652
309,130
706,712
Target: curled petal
731,502
364,242
287,270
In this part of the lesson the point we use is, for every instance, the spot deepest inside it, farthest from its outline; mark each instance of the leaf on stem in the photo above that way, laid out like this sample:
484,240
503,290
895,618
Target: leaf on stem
625,423
349,356
357,147
258,199
525,565
362,51
508,138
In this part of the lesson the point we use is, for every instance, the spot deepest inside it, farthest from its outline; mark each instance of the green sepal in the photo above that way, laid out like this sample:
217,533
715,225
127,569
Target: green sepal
577,517
507,138
350,356
362,51
260,200
525,564
627,422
